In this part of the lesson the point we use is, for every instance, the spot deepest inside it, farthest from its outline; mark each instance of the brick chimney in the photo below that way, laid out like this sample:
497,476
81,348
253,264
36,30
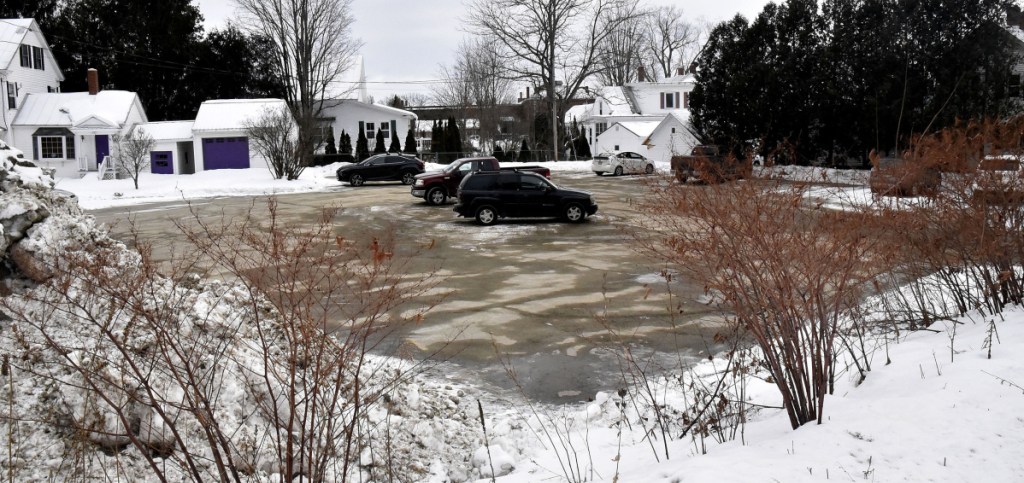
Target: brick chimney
93,77
680,71
641,74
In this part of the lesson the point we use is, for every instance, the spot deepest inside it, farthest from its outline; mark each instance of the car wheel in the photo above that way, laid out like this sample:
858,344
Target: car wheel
408,177
574,213
356,180
436,196
486,215
649,169
618,171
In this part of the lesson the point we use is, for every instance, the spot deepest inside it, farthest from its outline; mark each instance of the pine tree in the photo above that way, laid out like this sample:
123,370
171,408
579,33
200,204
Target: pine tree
396,146
378,147
410,141
362,147
330,148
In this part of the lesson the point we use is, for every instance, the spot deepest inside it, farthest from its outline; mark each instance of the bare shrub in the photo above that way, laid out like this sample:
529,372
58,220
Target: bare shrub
786,271
203,380
968,242
133,151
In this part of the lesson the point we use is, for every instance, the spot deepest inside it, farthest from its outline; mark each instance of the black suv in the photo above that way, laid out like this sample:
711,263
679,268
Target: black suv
382,167
488,196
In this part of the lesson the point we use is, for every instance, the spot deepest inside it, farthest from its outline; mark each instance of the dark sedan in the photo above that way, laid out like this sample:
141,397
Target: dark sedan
382,167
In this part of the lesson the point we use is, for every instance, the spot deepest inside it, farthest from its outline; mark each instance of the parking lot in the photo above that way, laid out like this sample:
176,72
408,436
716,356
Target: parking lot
560,301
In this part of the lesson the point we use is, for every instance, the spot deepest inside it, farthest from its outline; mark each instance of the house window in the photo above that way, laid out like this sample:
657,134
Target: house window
12,95
386,129
54,147
37,58
601,127
670,100
26,56
370,132
1014,87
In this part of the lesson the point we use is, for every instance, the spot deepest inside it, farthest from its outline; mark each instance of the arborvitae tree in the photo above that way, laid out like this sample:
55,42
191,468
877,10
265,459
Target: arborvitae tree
436,138
525,154
362,147
498,153
410,141
378,148
396,146
330,148
345,143
454,138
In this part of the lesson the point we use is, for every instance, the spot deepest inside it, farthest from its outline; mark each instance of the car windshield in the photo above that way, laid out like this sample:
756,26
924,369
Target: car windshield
452,166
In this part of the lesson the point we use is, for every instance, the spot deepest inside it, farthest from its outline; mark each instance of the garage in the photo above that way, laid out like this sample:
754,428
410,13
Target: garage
161,162
226,153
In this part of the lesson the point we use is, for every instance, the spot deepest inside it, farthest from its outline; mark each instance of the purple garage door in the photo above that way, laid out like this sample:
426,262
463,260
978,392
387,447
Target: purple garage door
161,162
225,153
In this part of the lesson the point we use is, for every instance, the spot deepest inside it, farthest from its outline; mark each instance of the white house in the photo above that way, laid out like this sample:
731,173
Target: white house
219,136
354,116
672,137
640,102
70,132
625,136
26,67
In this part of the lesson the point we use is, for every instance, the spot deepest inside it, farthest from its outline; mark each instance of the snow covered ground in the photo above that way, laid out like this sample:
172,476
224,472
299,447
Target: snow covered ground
934,407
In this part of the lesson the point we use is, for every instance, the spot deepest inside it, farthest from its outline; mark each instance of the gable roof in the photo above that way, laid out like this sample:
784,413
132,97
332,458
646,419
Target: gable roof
639,128
332,106
12,34
675,117
107,109
232,114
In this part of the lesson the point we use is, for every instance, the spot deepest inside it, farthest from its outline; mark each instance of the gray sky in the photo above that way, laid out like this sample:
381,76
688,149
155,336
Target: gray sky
406,40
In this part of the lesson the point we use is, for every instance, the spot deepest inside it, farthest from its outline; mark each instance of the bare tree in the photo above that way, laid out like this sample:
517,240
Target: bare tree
625,50
671,40
133,152
274,135
475,84
314,47
552,43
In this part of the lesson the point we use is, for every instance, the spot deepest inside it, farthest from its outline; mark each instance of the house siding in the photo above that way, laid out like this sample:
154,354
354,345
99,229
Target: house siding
29,80
348,116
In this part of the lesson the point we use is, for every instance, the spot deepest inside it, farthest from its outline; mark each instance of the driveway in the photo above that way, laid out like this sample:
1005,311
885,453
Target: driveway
560,302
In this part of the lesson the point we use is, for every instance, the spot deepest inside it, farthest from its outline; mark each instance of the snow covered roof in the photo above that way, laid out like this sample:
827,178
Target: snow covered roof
640,128
12,34
77,109
232,114
615,99
169,130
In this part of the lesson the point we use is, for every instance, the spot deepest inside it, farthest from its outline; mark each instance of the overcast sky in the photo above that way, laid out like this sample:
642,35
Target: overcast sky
406,40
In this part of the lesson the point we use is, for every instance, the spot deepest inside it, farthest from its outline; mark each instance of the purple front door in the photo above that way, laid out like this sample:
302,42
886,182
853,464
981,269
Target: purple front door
161,162
102,147
226,153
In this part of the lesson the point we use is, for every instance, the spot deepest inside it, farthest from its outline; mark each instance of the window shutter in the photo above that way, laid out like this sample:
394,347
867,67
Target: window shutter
677,105
35,147
662,100
393,130
362,126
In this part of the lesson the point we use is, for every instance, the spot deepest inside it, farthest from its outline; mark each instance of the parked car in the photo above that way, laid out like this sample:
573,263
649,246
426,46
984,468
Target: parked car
10,152
621,163
710,164
490,195
903,177
382,167
435,188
